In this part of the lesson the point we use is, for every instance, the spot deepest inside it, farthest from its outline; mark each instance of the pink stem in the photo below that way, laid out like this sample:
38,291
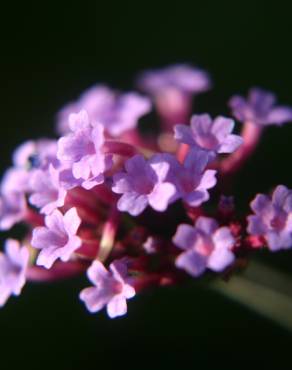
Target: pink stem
182,152
119,148
251,134
59,271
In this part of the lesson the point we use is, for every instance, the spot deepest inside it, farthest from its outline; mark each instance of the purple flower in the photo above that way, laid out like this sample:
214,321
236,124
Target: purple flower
13,265
182,77
205,246
81,150
259,108
111,288
191,179
14,186
58,239
47,193
273,218
143,183
213,136
118,113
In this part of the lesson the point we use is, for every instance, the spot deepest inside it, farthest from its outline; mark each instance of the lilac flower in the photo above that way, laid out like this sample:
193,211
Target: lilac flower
13,265
111,288
213,136
118,113
273,218
82,151
47,193
143,183
205,246
191,179
182,77
259,108
14,186
58,238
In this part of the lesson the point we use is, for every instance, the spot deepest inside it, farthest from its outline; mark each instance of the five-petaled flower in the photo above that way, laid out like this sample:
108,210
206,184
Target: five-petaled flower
111,288
273,218
206,245
58,238
259,108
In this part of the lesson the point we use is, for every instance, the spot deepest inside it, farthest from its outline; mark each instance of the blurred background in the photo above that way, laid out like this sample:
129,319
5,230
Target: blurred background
50,53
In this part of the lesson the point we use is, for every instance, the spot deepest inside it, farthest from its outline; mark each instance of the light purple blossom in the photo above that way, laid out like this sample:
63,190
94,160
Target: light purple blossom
58,238
182,77
47,193
111,288
205,246
13,265
259,108
117,112
81,150
213,136
191,178
273,218
14,186
143,183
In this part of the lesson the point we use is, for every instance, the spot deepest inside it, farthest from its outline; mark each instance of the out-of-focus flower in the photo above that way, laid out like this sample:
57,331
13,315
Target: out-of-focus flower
143,183
111,288
117,112
205,245
13,265
58,238
213,136
47,193
259,108
81,150
273,218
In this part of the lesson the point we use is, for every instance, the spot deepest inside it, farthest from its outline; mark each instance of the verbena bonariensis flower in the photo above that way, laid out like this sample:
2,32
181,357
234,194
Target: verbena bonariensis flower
273,218
260,108
205,245
13,265
118,113
130,211
111,288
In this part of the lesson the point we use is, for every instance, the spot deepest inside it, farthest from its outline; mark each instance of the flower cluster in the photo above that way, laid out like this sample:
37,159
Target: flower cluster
129,210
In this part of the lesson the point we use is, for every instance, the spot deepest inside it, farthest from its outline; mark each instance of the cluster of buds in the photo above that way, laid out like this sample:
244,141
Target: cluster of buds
127,208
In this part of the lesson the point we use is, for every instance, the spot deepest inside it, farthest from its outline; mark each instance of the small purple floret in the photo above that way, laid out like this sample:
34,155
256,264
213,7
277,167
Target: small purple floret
205,245
260,108
13,265
58,238
273,218
144,183
213,136
182,77
111,288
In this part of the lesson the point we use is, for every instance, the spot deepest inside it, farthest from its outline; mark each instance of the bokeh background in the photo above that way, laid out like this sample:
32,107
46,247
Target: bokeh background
49,54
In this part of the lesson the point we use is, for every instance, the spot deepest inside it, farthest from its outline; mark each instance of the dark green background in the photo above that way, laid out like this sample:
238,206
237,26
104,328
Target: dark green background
49,54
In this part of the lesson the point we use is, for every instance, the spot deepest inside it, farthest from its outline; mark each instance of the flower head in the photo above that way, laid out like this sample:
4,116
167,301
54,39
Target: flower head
111,288
58,238
81,150
118,113
213,136
143,183
13,265
273,218
205,245
259,108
